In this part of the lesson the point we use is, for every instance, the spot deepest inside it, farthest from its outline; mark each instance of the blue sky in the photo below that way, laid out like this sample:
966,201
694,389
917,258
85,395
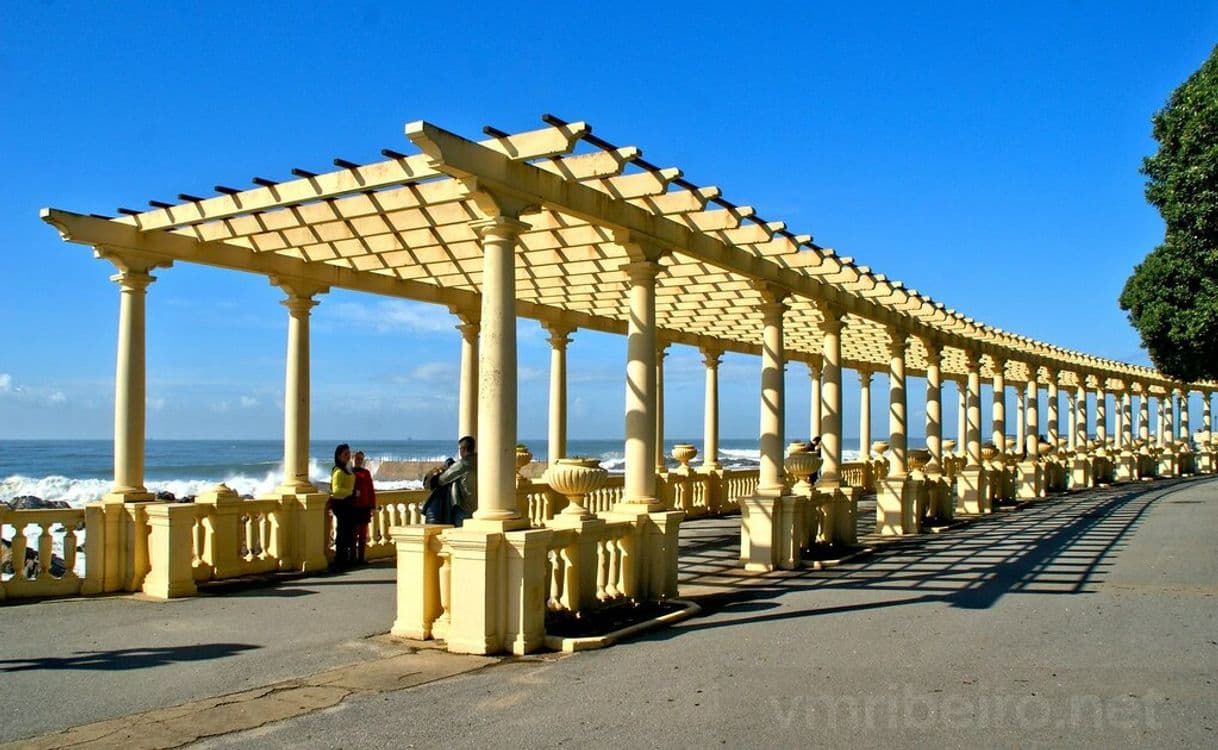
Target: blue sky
960,149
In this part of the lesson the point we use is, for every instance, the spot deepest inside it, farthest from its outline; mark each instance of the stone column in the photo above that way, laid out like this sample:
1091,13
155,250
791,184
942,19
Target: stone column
1021,421
1126,466
299,303
1054,406
815,398
934,406
1080,471
999,417
129,384
710,413
772,478
864,414
831,398
1031,471
1206,449
497,374
1167,431
936,490
467,397
661,353
559,338
962,416
1101,416
1071,420
640,481
1182,396
894,505
971,495
1144,417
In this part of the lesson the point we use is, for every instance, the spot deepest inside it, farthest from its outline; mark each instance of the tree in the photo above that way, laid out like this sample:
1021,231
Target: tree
1172,295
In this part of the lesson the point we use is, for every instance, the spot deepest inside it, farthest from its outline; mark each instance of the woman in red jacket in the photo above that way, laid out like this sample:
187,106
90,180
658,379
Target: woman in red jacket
363,506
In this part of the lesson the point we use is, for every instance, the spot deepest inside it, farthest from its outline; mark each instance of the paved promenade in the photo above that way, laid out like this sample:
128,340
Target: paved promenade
1089,620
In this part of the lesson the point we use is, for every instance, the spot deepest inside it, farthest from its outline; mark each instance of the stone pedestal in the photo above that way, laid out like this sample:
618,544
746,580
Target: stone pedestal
170,551
1167,464
770,531
1080,472
1126,466
1031,480
938,499
418,582
971,495
896,506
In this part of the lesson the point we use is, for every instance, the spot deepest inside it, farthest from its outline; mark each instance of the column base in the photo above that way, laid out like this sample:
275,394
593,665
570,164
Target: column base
939,507
1167,464
1031,480
1126,467
772,531
128,496
971,495
1080,472
896,505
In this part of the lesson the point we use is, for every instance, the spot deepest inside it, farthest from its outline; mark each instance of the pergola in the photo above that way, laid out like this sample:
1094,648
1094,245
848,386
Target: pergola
562,226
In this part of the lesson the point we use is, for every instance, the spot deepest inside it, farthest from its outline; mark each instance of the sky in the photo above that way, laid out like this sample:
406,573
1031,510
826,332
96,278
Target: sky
984,154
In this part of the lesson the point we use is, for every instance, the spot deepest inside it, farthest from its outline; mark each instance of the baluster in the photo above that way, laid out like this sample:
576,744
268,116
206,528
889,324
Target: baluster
69,550
200,538
615,587
446,584
19,545
374,527
45,540
554,568
602,569
247,522
570,559
265,552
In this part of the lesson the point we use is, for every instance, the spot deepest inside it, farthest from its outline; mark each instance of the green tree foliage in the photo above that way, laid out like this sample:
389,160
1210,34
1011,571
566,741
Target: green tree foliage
1172,295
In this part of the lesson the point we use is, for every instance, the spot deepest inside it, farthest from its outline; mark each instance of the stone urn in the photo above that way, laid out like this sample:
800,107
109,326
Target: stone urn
918,458
575,479
988,452
879,446
801,465
949,446
1044,449
684,453
524,457
1011,444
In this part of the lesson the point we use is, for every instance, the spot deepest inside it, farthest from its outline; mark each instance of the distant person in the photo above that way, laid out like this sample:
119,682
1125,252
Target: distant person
363,507
460,479
342,502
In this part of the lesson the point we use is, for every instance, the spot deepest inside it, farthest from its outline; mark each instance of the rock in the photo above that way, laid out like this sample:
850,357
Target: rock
59,504
166,496
28,502
32,567
186,499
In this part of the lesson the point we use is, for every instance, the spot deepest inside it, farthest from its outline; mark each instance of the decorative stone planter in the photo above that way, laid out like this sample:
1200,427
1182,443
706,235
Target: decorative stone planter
918,458
949,446
524,457
1011,444
879,446
988,452
1044,449
684,453
801,465
576,478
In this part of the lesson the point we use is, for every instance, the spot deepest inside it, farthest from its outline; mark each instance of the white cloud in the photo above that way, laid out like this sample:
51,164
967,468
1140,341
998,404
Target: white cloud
433,372
57,397
6,382
390,316
248,402
156,404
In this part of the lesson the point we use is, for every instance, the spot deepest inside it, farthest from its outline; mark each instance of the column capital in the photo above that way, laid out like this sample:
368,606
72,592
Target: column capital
468,316
711,357
560,334
814,367
897,341
999,365
934,350
133,281
771,293
469,331
127,260
662,349
298,288
641,271
831,317
640,249
499,226
772,312
864,377
972,360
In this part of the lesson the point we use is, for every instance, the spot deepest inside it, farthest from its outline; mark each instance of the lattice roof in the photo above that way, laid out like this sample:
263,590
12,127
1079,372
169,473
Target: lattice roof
401,227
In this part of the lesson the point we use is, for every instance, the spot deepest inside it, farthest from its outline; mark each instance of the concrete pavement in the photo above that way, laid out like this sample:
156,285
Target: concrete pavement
1086,621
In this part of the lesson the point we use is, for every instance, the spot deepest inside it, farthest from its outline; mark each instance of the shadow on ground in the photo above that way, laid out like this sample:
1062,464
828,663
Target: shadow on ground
1060,546
126,658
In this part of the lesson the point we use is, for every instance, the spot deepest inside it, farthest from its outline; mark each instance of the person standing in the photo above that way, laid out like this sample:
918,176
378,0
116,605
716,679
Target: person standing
363,507
342,499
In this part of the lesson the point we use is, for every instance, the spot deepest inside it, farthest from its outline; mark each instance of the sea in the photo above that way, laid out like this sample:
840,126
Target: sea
81,471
